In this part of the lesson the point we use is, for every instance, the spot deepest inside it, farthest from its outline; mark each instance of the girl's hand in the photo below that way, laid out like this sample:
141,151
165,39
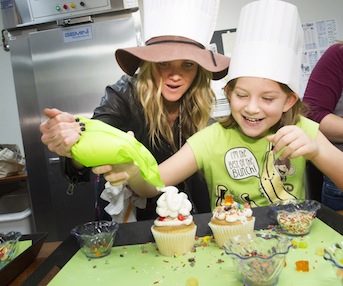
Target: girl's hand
60,132
117,174
295,143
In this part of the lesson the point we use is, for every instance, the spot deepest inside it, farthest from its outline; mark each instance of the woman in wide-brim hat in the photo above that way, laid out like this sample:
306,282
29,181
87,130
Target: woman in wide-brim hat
166,95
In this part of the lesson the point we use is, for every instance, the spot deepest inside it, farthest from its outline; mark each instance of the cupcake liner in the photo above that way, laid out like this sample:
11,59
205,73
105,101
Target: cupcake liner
222,233
177,243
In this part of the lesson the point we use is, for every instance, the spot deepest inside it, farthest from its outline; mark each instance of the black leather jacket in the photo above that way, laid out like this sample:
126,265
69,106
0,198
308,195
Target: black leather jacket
119,108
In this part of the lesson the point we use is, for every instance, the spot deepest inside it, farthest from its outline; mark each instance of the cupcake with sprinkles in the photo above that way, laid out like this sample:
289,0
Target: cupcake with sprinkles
231,219
174,230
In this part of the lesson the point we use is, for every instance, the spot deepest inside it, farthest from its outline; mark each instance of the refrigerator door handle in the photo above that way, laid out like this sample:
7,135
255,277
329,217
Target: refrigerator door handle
74,21
55,160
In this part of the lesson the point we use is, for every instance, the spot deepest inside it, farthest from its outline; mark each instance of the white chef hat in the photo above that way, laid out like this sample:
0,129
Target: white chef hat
193,19
268,43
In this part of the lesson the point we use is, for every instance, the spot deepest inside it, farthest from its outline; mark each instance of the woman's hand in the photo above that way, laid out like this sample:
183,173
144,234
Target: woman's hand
117,174
295,143
60,132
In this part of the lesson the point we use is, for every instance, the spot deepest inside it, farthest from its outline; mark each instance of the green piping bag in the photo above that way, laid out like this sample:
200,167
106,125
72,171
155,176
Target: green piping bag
102,144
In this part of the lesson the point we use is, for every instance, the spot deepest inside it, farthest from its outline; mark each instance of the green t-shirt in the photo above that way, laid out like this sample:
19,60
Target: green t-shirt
244,167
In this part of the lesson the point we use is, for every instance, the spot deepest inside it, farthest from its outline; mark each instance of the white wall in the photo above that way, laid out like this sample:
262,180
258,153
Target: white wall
309,10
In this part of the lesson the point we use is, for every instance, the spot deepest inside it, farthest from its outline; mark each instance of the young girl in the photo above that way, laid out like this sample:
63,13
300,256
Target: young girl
258,153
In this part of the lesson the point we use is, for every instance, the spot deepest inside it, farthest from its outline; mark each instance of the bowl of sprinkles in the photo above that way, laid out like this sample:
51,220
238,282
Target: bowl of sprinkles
8,246
96,238
334,254
259,257
295,217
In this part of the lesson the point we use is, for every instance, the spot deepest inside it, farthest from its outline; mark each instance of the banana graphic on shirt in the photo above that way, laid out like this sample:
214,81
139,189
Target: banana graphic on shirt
270,180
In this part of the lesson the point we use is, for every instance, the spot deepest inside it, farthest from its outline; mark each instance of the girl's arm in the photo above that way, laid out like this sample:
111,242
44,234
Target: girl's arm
178,167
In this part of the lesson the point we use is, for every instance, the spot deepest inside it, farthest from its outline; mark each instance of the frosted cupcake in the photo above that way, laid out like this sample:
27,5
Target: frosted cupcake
174,230
230,219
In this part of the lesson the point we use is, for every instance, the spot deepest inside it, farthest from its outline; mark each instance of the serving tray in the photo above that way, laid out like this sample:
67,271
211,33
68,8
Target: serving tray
24,259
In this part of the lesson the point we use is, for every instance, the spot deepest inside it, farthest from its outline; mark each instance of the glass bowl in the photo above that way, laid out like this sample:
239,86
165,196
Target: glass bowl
295,217
259,257
96,238
8,246
334,254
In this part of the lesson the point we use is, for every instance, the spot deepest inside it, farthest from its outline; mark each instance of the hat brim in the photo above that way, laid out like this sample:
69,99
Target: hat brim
130,59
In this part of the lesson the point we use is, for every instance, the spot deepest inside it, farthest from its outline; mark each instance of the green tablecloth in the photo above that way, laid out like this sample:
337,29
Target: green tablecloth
23,245
142,265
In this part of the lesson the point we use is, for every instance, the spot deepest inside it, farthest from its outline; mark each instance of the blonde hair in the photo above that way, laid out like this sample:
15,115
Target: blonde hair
291,117
196,105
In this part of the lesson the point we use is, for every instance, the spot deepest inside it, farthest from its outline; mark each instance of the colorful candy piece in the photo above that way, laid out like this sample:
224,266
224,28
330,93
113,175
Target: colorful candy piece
320,251
229,200
192,282
302,265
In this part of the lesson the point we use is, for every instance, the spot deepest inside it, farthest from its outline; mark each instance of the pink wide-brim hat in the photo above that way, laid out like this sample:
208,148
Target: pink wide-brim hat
170,48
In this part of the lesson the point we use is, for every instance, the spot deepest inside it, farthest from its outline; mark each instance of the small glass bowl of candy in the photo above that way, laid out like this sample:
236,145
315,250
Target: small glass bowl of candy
96,238
334,254
8,246
259,257
295,217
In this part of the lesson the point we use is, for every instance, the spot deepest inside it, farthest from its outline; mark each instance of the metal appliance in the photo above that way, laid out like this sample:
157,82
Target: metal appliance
62,54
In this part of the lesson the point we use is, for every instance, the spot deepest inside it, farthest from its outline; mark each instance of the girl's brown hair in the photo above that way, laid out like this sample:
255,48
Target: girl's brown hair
196,105
290,117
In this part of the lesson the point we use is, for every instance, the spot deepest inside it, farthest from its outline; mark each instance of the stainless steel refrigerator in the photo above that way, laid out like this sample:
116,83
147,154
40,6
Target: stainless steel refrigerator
62,55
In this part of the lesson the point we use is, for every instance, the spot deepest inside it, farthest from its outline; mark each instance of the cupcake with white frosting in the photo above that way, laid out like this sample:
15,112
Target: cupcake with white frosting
231,219
174,229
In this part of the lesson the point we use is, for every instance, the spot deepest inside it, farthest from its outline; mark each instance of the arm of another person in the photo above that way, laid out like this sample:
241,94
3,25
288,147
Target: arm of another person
329,160
332,127
324,90
174,170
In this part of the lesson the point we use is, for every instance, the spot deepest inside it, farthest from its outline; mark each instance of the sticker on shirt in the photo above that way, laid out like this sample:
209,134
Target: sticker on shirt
241,164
